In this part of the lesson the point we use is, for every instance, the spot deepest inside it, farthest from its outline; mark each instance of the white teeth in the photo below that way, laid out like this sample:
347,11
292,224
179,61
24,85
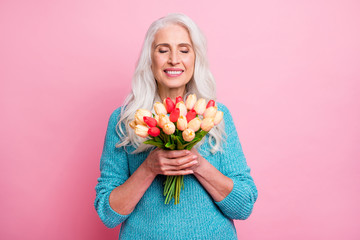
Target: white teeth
173,72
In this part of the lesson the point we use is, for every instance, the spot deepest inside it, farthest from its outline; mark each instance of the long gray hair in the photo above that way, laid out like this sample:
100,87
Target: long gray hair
144,91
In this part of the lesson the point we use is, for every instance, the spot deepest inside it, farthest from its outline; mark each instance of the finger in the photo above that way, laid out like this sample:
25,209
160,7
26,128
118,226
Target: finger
181,160
175,153
178,173
185,166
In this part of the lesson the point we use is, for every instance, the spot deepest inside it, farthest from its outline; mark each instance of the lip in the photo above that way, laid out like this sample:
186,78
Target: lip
173,69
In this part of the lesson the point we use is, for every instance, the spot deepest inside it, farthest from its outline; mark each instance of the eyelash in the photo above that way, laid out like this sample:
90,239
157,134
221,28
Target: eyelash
164,51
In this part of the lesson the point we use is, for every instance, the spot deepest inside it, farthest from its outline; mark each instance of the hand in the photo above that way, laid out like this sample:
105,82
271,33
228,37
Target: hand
200,160
171,162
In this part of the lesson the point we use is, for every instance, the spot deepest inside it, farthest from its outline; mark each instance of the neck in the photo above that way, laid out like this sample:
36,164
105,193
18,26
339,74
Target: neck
172,93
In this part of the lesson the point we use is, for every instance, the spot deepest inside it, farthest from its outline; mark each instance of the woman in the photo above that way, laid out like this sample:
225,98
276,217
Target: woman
218,185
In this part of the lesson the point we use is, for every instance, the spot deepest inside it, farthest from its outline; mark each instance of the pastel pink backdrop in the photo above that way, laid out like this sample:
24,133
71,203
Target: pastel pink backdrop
288,71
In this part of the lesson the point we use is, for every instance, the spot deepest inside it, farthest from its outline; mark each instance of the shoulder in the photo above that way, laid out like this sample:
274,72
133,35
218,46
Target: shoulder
114,120
115,115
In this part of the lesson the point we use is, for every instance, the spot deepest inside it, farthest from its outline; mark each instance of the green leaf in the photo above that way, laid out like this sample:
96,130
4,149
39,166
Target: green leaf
158,139
179,144
152,142
170,145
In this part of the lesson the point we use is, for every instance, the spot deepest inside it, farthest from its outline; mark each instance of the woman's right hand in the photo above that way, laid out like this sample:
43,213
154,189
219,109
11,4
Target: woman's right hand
170,162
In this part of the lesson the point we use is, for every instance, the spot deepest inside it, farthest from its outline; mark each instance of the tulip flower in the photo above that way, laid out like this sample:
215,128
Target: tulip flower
200,106
163,119
179,99
195,124
169,128
132,124
169,105
174,115
159,108
190,115
181,123
210,112
154,131
188,134
190,101
141,131
176,126
182,107
218,117
139,116
211,103
207,124
151,122
157,118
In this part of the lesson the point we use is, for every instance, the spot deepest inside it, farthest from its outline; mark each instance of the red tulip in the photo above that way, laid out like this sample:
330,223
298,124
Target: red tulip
174,115
169,104
211,103
179,99
151,122
190,115
154,131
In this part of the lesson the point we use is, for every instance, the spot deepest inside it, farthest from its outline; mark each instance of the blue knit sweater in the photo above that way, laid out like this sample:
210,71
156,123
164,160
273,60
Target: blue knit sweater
197,216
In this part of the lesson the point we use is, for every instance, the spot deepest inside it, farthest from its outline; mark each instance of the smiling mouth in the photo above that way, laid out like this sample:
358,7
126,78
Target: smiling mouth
173,73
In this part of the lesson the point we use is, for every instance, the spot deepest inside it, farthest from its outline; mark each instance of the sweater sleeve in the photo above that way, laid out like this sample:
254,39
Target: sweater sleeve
240,201
114,171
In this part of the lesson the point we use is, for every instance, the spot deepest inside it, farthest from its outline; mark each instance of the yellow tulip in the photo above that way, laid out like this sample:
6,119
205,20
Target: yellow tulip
163,119
181,123
141,131
188,135
132,124
200,106
139,116
218,117
157,118
182,107
195,124
159,108
169,128
190,101
207,124
210,112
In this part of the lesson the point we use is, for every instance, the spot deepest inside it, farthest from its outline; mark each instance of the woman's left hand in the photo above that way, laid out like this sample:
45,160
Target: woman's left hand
200,160
215,183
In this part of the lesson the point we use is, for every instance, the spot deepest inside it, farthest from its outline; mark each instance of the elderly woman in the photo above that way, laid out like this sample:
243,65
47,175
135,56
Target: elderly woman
218,185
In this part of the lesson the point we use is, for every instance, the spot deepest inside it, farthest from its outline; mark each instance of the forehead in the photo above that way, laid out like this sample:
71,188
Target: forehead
172,34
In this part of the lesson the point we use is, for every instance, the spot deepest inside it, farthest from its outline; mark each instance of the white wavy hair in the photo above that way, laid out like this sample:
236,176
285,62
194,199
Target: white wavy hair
144,91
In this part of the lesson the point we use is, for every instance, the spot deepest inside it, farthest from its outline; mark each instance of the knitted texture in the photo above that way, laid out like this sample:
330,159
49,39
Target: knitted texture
197,216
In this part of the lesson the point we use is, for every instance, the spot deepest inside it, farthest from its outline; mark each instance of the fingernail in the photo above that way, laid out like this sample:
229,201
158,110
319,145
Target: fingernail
194,157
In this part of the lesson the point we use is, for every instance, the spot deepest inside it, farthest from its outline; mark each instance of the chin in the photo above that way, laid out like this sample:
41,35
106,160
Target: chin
175,85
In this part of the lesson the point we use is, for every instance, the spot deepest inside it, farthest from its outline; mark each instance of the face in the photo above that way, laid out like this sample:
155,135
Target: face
173,58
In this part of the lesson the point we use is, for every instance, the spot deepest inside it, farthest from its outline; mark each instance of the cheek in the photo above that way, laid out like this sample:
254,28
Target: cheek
158,62
189,62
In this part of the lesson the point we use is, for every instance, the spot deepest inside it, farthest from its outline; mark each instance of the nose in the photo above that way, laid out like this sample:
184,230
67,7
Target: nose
174,58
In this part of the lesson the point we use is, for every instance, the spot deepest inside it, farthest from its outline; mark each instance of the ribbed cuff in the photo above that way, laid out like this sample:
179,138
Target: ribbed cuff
112,218
237,204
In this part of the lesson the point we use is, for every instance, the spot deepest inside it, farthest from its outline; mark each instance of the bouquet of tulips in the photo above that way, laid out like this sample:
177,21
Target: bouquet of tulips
176,126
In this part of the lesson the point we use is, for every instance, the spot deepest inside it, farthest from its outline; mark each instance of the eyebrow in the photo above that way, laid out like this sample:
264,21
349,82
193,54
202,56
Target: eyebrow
168,45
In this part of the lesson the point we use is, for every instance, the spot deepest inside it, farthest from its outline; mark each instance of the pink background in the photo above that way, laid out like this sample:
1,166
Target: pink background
288,70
